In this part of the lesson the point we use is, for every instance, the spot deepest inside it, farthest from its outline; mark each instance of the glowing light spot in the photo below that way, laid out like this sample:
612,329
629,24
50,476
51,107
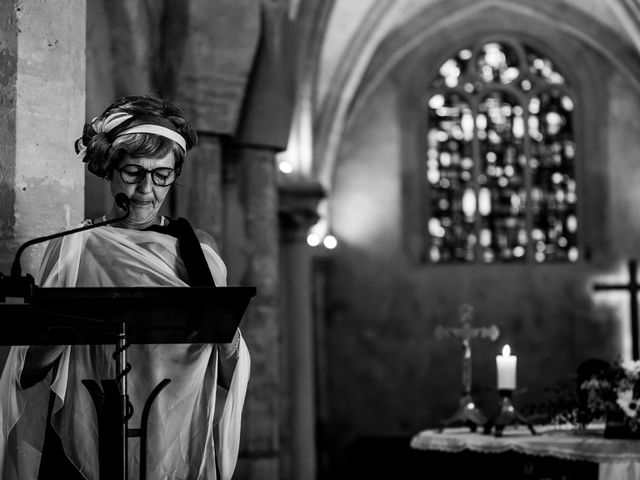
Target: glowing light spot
436,101
466,122
451,82
487,73
534,106
510,74
556,177
567,103
465,54
330,242
537,234
481,121
573,254
285,167
485,237
466,163
494,55
484,201
554,122
488,256
450,69
313,240
433,175
469,202
518,127
435,228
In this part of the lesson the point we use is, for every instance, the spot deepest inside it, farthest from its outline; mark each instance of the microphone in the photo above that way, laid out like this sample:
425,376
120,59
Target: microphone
121,200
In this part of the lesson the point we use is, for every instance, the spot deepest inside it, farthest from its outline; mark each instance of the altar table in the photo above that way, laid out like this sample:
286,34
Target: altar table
617,459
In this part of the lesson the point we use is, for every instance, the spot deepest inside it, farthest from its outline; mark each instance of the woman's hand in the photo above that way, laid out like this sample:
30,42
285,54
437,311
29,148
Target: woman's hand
228,354
39,360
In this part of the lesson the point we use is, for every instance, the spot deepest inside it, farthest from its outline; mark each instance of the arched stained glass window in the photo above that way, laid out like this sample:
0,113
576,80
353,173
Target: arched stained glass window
500,161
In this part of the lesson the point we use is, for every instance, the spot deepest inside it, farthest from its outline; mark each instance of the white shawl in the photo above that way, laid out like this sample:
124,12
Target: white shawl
184,436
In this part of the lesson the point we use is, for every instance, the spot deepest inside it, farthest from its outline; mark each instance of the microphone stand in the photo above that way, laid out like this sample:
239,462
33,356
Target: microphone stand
22,288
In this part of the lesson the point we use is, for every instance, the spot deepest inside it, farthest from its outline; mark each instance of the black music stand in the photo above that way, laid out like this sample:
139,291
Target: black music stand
120,316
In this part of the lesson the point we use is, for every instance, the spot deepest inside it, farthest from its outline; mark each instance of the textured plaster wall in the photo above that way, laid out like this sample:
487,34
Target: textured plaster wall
623,147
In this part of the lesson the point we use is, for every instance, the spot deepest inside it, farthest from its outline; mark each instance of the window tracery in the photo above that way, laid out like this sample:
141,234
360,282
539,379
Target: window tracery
500,160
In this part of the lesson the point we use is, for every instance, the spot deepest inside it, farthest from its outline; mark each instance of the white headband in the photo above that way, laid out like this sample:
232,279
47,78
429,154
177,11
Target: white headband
157,130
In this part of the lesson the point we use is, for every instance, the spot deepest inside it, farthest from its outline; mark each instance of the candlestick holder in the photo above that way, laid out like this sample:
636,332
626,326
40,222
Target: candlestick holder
508,414
466,414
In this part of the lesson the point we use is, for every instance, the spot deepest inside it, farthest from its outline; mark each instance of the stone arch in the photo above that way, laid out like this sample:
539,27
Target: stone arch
438,24
411,53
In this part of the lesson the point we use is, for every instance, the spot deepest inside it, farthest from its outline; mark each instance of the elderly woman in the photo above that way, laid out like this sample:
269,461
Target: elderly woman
139,145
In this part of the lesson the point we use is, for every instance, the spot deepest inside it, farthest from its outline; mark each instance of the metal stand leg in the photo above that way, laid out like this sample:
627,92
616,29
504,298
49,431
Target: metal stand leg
114,410
466,414
508,415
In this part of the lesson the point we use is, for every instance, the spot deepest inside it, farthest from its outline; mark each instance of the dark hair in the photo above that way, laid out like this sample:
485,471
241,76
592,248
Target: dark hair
105,149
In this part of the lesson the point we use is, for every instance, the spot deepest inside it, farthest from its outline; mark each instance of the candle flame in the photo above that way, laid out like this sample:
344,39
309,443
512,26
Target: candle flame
506,351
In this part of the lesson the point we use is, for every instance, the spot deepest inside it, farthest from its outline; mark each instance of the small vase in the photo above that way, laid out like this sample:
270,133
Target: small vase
617,427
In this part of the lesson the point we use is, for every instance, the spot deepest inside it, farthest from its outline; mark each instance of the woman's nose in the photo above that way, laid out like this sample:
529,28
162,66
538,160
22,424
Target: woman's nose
145,184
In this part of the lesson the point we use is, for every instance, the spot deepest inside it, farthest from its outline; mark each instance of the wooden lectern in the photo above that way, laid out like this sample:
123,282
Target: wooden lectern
120,316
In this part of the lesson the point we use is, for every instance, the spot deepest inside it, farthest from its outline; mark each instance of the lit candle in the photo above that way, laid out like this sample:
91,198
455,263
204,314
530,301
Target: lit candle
506,364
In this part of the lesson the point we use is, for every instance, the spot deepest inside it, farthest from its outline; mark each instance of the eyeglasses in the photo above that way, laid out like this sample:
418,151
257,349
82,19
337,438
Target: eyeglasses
162,176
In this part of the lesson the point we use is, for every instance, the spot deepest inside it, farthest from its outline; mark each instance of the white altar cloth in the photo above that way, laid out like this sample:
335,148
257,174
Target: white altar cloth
618,459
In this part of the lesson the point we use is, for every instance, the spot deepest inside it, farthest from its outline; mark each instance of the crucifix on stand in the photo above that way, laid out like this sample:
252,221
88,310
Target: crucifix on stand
633,287
467,412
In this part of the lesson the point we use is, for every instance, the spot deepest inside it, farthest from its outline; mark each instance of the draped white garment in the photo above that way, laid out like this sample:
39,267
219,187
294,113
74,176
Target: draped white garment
187,429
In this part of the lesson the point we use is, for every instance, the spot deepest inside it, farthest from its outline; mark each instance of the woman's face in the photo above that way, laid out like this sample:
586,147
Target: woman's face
145,197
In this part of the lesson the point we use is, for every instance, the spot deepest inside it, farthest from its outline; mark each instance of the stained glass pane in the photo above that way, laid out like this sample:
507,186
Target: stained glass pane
543,68
450,177
453,70
500,161
553,191
502,190
497,63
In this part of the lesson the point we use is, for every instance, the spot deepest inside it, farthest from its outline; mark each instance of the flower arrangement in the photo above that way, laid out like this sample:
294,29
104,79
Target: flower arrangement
612,394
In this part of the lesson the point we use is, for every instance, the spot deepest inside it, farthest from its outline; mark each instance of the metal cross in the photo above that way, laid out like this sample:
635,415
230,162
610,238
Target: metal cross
465,334
467,411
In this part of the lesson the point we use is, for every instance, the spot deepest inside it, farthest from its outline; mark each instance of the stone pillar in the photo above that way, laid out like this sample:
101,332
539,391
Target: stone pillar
198,195
42,99
298,212
258,200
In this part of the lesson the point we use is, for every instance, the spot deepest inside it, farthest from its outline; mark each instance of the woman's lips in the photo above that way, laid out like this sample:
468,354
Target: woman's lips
141,203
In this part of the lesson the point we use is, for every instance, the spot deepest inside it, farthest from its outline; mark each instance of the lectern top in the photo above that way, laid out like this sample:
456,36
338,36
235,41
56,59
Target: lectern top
79,316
